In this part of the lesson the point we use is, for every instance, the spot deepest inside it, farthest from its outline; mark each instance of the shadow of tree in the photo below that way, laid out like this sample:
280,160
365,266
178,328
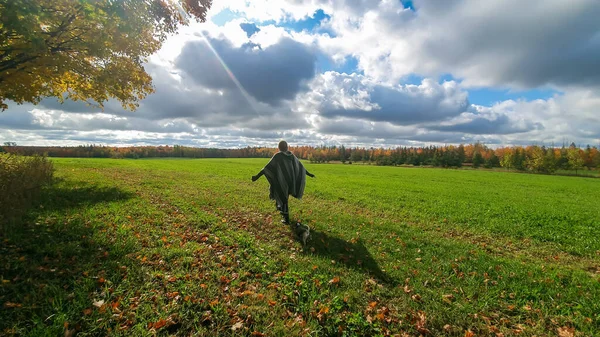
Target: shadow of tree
353,254
71,194
52,262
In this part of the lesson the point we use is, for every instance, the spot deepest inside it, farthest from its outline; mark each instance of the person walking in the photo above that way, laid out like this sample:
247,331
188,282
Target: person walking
286,176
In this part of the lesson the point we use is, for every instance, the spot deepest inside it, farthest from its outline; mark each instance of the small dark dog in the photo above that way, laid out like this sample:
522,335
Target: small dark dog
302,231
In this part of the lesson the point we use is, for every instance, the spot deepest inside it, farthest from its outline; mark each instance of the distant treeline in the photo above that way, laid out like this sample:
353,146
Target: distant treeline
534,158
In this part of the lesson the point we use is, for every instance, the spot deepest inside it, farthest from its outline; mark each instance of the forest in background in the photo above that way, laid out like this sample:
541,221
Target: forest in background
534,158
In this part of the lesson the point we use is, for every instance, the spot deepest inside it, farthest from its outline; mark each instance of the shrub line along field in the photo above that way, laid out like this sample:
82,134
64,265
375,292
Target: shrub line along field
193,247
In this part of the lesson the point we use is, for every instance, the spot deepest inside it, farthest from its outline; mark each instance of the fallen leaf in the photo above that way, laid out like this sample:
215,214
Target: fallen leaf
161,323
12,305
257,334
566,332
237,325
324,310
469,333
87,311
373,304
448,298
98,304
420,319
272,303
334,280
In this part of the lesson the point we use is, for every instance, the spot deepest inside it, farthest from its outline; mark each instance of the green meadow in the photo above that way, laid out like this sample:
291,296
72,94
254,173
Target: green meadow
194,248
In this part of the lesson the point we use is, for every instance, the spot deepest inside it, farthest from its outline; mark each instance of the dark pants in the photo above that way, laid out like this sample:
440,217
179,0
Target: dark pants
284,210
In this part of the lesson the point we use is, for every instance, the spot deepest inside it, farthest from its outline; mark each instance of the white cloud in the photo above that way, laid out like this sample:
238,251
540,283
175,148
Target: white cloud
509,44
519,44
340,95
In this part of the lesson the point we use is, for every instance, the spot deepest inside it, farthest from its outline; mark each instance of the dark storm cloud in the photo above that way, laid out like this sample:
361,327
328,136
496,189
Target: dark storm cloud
502,125
353,96
403,107
18,117
522,43
70,106
270,75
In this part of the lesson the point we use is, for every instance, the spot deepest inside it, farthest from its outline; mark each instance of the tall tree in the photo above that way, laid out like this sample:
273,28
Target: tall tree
492,161
563,160
549,160
519,159
535,159
85,50
575,159
460,155
596,157
507,160
477,159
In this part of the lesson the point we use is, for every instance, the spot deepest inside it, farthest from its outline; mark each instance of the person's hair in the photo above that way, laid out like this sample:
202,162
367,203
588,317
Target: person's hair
283,146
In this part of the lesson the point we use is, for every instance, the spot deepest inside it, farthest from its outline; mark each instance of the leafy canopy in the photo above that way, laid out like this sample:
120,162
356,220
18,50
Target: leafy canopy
88,50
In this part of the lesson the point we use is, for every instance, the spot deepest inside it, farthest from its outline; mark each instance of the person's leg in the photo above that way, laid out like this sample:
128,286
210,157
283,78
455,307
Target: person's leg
285,213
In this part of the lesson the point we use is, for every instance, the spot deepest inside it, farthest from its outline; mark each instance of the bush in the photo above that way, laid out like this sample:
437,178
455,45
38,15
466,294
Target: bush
21,180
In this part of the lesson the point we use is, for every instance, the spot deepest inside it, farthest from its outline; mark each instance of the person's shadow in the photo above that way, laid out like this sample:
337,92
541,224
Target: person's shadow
353,254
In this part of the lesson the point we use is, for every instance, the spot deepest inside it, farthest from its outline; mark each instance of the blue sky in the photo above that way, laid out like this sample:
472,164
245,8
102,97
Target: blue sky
360,73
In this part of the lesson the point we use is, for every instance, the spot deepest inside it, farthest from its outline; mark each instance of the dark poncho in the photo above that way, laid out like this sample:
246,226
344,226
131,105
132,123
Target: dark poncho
286,175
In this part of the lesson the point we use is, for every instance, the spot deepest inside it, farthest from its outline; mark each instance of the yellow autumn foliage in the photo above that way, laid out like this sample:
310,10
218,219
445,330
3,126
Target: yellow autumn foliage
85,50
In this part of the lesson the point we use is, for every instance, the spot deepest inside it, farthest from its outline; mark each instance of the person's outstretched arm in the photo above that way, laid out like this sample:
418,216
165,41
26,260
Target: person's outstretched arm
309,174
260,174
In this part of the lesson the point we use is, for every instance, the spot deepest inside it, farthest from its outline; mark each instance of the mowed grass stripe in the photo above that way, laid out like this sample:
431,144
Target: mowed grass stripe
204,254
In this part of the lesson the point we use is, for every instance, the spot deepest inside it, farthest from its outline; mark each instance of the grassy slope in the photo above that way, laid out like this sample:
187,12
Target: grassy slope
182,246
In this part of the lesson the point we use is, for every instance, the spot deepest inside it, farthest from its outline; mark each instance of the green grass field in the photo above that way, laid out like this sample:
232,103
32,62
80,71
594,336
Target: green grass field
193,247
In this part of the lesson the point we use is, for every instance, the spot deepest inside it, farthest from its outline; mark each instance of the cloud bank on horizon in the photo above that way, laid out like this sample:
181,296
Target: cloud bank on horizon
355,72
